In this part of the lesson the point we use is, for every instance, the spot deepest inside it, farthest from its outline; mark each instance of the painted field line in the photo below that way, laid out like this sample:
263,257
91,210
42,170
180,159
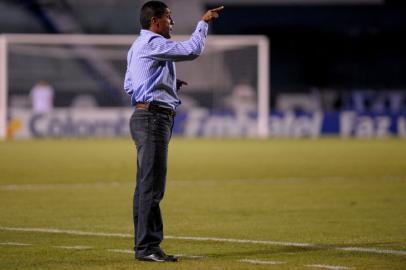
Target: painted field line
74,247
261,261
243,241
87,185
14,244
189,256
62,186
373,250
122,235
128,251
71,232
213,239
325,266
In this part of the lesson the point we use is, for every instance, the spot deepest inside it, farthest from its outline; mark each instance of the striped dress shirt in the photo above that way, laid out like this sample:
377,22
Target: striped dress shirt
151,72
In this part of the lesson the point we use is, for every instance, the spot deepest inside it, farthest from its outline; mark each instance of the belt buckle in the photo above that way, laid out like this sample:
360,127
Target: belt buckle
157,108
142,106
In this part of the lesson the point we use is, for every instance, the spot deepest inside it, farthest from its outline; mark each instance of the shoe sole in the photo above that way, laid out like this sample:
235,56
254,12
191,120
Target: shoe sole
155,260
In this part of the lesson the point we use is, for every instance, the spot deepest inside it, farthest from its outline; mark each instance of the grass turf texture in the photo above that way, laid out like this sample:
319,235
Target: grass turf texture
331,193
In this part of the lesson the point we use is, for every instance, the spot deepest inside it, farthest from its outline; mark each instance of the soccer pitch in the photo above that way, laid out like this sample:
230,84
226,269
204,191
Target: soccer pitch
229,204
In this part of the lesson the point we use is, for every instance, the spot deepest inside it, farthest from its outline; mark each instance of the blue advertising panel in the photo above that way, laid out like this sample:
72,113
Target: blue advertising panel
203,123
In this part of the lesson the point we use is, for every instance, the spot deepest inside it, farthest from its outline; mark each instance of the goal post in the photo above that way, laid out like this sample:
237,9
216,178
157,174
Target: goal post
3,87
264,77
94,65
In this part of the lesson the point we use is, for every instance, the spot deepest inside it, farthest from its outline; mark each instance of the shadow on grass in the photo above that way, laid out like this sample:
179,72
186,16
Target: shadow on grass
263,252
299,250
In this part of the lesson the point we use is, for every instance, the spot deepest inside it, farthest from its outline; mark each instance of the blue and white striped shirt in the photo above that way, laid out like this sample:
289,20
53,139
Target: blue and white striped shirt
151,72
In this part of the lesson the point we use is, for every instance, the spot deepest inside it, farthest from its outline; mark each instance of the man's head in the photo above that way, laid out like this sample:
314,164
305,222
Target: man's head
156,17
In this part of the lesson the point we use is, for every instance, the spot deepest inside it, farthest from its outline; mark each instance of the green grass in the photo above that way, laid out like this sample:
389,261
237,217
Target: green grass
331,193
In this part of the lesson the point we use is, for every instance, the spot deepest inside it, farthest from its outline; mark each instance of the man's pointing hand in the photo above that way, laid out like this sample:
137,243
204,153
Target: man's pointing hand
212,14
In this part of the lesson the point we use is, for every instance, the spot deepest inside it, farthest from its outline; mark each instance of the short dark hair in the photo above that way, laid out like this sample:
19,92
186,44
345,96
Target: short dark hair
151,9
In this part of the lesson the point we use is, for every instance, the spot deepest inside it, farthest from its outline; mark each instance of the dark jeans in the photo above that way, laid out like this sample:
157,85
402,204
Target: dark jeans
151,132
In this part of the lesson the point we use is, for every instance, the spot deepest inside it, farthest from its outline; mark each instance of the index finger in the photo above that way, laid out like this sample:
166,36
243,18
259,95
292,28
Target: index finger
217,9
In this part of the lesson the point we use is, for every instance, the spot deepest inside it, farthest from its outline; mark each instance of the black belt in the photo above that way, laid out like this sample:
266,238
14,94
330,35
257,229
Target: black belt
155,108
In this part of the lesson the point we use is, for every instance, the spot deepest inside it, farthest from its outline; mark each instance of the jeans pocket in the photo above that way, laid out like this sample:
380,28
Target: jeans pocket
139,126
160,128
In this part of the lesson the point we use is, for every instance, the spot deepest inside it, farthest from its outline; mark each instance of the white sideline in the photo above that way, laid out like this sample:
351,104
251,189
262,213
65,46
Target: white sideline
14,244
71,232
87,185
261,261
16,187
189,256
374,250
214,239
129,251
243,241
333,267
74,247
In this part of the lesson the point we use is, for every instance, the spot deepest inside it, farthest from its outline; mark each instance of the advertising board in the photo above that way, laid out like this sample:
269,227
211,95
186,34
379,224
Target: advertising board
113,122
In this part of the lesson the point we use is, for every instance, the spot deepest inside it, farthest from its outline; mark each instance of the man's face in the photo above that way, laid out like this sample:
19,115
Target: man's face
165,24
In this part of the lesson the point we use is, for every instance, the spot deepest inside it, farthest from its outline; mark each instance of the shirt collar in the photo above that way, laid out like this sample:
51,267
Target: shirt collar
145,32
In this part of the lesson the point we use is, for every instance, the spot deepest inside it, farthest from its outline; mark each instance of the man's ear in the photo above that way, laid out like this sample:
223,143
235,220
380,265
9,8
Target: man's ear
154,20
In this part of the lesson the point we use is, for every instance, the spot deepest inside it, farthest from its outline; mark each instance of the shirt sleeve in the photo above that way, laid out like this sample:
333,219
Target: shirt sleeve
128,87
161,48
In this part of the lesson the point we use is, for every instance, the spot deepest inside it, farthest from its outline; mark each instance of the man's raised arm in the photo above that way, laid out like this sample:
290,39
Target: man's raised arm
164,49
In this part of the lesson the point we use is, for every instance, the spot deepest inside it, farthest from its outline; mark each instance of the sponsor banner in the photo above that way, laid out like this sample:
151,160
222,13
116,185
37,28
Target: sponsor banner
69,123
372,125
198,122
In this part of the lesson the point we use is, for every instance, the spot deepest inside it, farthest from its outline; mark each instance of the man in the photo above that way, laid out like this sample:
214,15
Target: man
151,82
42,97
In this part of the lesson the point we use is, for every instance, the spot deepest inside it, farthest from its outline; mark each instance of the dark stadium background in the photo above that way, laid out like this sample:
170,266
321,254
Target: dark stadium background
325,46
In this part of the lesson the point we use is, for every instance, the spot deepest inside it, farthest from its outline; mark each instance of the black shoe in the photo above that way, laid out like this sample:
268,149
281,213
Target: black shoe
157,257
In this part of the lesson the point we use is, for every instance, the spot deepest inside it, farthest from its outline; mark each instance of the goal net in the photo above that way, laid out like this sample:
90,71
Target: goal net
72,86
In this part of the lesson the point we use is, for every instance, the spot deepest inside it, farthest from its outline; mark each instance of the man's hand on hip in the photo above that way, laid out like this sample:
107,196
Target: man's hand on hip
212,14
179,84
